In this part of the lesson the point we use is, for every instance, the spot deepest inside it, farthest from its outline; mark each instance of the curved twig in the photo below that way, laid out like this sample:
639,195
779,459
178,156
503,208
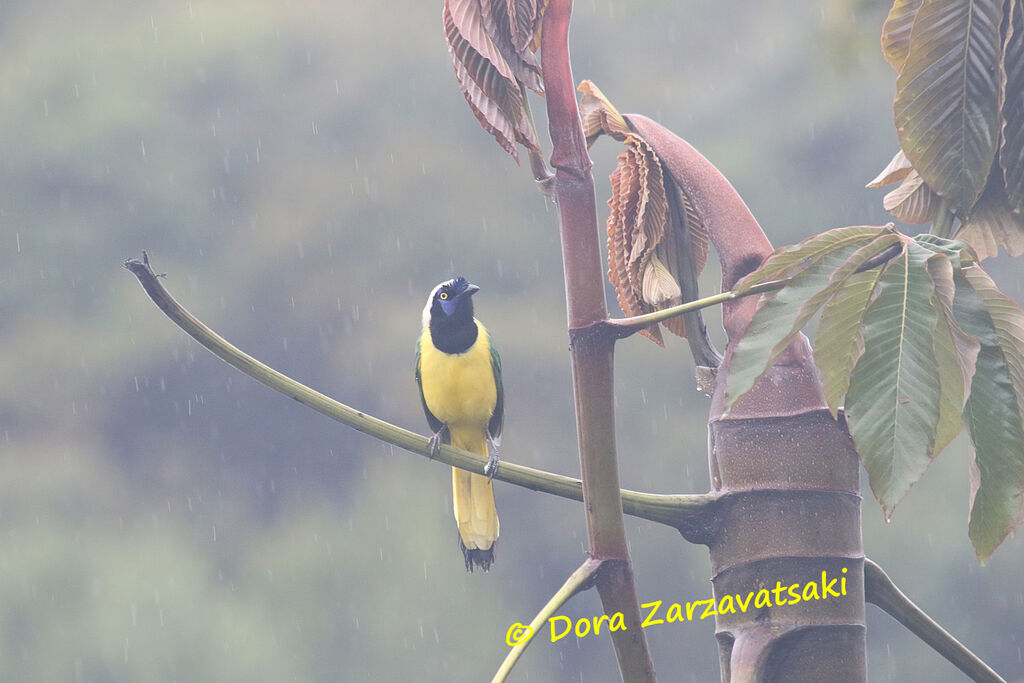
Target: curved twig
579,580
627,326
673,510
880,590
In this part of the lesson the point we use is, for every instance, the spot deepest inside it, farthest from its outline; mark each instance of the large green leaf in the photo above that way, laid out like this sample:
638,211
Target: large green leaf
780,317
893,402
1011,153
956,354
838,343
784,261
994,413
948,96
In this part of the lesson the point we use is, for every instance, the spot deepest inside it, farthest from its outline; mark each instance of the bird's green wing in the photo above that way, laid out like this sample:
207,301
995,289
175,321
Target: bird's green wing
498,416
435,424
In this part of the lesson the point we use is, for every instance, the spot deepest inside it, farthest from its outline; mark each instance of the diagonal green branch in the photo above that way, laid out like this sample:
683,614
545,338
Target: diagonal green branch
673,510
579,580
880,590
626,326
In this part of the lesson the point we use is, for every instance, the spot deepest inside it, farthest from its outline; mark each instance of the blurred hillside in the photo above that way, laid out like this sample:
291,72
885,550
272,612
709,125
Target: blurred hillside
305,172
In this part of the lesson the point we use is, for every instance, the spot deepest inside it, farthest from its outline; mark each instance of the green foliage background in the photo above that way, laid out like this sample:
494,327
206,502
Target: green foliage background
305,172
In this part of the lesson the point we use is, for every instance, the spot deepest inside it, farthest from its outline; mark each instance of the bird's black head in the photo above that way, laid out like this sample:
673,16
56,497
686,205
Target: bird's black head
449,313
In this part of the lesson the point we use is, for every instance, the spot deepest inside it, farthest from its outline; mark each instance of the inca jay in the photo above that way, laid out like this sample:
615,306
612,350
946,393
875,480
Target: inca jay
458,371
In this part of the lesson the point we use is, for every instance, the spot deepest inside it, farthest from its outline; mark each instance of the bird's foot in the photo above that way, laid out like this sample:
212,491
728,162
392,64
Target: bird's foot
435,441
492,459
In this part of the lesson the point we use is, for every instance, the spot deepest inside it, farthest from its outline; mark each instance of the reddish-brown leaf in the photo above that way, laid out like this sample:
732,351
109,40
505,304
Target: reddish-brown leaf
495,99
495,16
625,190
599,115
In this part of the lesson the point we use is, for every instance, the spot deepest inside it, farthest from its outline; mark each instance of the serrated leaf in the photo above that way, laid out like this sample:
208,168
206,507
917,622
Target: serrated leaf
469,18
779,318
992,223
496,16
695,227
624,204
898,169
956,353
948,96
893,402
523,16
994,413
838,343
896,32
913,201
1011,152
654,233
787,259
599,115
489,87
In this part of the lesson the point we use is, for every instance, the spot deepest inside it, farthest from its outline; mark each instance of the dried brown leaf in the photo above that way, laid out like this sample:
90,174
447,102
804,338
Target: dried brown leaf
625,190
496,18
495,98
599,115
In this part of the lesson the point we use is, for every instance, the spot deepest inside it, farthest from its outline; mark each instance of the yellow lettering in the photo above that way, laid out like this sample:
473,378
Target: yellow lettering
743,605
618,622
794,594
842,583
811,586
586,627
778,589
598,622
568,627
709,611
689,610
826,586
767,602
725,605
647,619
677,610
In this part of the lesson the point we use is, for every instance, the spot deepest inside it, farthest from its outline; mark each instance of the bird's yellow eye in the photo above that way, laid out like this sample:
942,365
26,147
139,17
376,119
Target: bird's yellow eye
442,296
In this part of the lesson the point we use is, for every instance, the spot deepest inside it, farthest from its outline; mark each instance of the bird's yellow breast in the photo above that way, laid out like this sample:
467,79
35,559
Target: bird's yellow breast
458,388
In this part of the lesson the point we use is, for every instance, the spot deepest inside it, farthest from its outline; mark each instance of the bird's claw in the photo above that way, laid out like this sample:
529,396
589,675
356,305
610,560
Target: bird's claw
493,456
491,467
434,442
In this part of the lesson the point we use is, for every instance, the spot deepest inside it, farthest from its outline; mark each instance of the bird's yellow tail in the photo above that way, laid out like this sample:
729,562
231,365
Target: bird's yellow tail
473,495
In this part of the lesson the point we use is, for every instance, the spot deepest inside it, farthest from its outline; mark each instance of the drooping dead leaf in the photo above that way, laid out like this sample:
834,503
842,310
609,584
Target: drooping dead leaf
625,190
652,224
497,18
477,31
599,115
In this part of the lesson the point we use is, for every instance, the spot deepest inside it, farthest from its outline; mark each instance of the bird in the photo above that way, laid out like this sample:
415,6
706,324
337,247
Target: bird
458,371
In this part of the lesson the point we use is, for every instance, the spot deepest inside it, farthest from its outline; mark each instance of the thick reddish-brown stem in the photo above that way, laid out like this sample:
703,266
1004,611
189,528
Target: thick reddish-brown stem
592,348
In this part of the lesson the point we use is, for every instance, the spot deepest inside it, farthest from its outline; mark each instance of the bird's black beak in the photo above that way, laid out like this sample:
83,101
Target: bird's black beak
470,290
